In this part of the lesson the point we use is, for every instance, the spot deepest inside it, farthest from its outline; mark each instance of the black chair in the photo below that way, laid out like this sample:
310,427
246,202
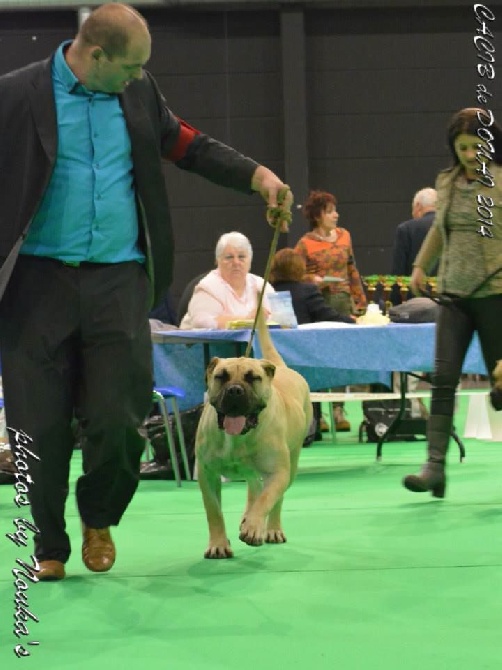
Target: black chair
164,311
186,296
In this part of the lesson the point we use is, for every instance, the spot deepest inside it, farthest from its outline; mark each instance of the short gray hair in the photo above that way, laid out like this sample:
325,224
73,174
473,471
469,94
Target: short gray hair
426,197
234,239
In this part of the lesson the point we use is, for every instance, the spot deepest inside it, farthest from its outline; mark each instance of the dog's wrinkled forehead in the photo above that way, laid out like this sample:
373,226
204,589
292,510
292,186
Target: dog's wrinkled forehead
243,369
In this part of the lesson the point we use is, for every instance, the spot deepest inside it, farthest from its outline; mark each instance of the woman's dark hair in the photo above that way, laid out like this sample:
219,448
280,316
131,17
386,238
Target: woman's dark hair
475,121
287,265
315,205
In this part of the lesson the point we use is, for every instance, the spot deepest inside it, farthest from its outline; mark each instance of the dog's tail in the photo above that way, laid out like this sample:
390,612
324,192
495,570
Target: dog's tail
267,346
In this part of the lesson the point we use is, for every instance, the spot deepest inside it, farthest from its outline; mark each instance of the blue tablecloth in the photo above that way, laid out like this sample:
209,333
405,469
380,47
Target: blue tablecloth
326,357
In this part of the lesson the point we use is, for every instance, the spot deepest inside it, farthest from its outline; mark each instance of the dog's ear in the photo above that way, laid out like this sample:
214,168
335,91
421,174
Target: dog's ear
212,364
497,374
268,367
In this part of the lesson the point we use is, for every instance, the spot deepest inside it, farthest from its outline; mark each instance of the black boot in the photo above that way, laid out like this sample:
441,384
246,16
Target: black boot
432,476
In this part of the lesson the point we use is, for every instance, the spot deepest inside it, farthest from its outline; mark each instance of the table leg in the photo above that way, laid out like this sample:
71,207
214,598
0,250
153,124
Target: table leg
397,420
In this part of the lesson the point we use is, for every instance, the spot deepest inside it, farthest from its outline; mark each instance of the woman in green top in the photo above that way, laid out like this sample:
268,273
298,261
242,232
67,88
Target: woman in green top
466,237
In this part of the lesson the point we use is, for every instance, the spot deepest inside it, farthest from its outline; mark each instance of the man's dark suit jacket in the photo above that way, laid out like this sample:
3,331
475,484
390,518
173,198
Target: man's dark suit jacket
28,149
409,237
308,303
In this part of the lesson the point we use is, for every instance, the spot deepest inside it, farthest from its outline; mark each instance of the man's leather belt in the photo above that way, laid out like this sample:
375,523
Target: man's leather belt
78,264
70,264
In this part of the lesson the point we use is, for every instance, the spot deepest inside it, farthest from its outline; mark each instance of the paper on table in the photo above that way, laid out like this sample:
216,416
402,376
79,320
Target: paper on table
281,306
374,325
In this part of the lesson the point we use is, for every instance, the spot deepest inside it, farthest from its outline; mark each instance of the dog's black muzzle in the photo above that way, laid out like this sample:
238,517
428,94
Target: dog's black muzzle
234,401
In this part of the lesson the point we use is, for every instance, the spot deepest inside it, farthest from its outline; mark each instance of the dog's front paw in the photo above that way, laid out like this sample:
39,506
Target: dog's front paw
219,550
252,533
275,536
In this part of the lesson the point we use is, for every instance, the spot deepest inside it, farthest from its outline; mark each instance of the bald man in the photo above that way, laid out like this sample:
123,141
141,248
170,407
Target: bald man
409,237
410,234
87,250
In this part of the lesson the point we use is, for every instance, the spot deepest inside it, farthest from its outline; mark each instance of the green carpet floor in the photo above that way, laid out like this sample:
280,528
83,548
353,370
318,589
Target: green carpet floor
372,577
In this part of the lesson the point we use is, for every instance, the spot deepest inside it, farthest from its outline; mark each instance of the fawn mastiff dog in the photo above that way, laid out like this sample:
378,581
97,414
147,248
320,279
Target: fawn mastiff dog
496,392
252,428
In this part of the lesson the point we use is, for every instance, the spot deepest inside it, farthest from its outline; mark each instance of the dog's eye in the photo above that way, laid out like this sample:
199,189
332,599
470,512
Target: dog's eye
222,376
250,377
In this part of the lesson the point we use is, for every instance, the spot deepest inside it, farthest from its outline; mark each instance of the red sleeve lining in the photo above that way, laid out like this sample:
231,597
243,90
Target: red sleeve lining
186,136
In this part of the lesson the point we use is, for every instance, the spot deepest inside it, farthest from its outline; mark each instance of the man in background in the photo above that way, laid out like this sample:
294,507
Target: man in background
409,237
410,234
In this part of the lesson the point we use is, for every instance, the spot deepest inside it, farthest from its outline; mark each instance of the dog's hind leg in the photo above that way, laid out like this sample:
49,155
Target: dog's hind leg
253,529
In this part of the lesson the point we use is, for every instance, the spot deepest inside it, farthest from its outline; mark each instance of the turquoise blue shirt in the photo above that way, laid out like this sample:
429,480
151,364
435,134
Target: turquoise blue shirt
88,212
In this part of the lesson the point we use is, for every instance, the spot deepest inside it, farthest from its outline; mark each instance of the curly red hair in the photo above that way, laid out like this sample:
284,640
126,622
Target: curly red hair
315,205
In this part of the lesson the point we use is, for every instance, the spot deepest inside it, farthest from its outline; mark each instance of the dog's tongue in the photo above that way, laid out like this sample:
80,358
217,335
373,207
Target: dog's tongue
234,425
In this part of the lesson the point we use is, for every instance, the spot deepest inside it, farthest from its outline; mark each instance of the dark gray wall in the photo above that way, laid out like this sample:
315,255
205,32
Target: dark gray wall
221,72
354,101
381,86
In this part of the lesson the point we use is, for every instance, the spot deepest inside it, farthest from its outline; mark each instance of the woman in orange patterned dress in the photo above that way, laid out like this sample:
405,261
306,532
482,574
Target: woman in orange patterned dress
328,254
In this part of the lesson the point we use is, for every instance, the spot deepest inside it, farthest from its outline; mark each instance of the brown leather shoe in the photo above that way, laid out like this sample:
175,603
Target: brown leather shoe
98,550
51,571
341,423
323,425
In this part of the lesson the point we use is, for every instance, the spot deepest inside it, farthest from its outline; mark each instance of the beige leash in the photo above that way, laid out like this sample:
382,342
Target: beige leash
276,217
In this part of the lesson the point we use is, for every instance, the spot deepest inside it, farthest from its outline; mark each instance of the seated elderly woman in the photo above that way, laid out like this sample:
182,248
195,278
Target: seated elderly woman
287,273
228,293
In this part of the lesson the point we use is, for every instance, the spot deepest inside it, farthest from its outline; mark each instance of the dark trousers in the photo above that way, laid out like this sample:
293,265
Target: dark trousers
76,341
455,328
